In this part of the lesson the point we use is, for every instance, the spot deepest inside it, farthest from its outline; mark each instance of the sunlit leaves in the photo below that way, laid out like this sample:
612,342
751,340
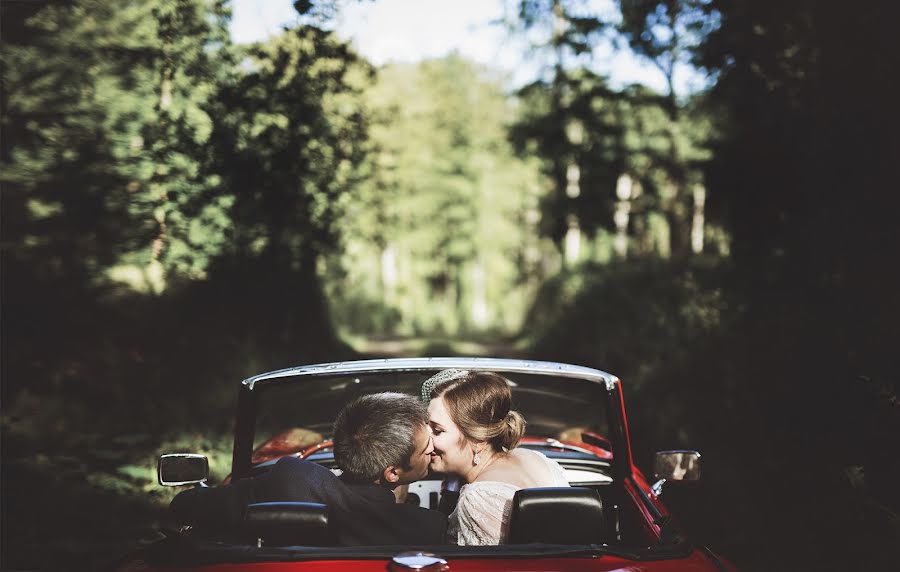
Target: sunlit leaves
437,229
290,139
109,105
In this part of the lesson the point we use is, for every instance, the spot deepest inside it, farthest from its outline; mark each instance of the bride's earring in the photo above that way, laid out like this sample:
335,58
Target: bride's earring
477,459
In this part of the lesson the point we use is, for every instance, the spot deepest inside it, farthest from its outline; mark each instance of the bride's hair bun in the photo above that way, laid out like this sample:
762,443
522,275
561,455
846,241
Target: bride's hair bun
514,431
480,403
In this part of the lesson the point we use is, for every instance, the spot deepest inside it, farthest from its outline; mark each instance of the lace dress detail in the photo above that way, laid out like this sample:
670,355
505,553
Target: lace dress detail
482,514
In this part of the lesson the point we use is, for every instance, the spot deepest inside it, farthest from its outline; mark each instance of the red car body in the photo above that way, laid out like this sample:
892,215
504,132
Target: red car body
697,561
646,538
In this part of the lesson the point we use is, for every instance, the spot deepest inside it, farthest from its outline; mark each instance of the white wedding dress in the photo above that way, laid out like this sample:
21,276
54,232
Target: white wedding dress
482,514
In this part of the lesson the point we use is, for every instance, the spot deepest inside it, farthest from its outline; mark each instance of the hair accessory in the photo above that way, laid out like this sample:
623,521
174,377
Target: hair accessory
439,377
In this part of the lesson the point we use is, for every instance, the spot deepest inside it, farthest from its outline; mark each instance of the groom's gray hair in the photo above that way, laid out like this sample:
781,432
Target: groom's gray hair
374,432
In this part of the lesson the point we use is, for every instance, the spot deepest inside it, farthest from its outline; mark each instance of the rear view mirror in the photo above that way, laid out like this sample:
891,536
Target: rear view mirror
677,465
182,469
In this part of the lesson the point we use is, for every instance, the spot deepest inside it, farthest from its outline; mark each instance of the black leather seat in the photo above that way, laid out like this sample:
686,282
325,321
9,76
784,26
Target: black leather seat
557,515
288,524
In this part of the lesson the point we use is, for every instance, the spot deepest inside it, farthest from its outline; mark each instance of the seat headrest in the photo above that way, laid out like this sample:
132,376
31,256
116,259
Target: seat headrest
288,524
556,515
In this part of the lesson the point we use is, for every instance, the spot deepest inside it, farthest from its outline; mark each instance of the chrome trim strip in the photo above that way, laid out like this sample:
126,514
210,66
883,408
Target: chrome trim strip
500,365
159,462
652,508
557,444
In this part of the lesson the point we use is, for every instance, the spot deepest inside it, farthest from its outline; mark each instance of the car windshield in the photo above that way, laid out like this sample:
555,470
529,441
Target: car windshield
553,407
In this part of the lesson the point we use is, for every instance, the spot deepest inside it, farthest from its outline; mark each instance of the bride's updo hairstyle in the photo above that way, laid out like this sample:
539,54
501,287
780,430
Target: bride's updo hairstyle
480,402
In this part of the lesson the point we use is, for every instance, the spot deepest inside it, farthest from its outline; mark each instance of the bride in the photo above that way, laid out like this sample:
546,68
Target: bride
475,433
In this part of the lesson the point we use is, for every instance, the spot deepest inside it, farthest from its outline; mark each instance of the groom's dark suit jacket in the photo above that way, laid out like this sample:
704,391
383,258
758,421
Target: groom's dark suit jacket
362,513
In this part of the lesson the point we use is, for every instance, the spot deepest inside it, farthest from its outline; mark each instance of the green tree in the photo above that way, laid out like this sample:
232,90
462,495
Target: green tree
667,33
568,32
290,140
439,229
628,161
292,133
187,200
106,135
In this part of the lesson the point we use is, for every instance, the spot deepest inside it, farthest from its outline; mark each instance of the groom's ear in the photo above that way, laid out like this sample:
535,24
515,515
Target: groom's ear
391,474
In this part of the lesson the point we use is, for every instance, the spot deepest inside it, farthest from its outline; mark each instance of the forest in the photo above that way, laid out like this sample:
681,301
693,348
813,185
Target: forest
180,212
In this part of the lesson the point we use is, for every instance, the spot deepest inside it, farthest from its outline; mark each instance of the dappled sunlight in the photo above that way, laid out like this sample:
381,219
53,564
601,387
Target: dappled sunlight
180,213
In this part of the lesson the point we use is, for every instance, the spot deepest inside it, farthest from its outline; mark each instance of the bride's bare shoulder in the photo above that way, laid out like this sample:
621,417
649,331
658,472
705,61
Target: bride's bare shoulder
515,468
526,456
518,457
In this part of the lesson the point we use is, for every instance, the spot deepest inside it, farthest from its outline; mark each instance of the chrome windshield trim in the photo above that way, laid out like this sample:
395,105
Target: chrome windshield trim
499,365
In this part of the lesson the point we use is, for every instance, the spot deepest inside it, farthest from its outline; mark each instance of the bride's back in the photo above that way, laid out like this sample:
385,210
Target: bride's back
524,469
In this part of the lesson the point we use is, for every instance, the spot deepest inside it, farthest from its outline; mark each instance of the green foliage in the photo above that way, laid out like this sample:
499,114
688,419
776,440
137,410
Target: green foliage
438,233
106,133
588,135
607,134
634,320
667,33
290,138
121,174
188,205
570,28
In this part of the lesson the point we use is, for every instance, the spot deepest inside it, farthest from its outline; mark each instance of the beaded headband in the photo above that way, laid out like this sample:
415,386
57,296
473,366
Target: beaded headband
440,377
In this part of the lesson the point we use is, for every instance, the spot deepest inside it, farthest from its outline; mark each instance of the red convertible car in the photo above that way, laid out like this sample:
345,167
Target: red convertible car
574,414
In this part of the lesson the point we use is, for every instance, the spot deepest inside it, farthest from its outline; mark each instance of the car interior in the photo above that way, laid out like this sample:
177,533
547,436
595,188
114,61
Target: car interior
594,510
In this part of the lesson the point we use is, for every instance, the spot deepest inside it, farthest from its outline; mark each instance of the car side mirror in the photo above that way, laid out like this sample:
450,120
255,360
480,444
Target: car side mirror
182,469
675,466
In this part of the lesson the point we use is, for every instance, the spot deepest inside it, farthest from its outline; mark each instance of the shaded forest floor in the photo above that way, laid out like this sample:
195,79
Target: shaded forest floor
794,408
798,438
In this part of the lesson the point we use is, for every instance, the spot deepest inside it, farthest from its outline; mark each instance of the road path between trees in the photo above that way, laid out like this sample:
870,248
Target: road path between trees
434,347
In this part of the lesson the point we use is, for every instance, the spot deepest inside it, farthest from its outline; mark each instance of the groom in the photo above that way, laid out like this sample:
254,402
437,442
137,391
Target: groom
380,441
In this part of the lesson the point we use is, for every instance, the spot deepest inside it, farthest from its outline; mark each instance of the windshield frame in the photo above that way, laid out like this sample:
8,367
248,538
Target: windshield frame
498,365
249,394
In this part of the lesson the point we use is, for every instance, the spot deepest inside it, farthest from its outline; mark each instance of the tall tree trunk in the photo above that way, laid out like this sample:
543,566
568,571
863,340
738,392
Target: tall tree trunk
677,211
572,243
698,223
624,187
